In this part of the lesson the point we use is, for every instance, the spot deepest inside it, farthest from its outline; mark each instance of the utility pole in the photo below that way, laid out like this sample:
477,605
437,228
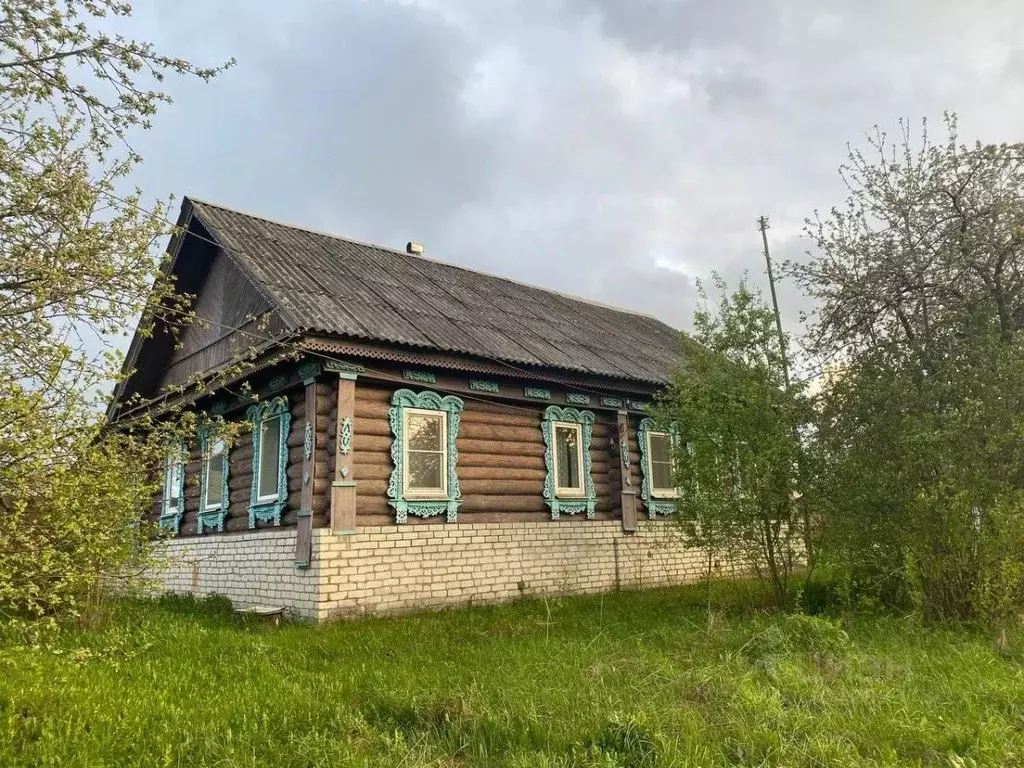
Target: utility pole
762,224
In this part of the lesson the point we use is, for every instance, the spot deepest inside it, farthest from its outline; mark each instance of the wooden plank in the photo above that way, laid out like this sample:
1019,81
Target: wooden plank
627,490
346,453
304,529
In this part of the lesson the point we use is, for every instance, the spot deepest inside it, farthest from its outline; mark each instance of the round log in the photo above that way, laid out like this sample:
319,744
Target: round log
502,503
369,458
503,433
499,447
374,519
492,486
493,460
296,469
374,427
239,482
510,418
242,454
237,524
371,505
372,487
363,442
498,473
502,409
376,471
373,394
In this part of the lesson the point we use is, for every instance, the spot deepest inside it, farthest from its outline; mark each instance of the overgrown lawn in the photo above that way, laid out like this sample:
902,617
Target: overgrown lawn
634,679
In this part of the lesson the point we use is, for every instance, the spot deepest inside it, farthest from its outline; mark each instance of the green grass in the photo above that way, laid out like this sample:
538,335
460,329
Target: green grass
631,679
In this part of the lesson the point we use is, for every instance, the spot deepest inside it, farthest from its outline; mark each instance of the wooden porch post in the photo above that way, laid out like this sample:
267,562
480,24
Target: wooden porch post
628,495
343,487
304,528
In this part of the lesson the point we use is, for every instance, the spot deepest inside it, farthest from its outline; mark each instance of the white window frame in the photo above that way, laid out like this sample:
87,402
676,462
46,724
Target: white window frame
259,460
424,493
173,460
561,490
207,459
661,493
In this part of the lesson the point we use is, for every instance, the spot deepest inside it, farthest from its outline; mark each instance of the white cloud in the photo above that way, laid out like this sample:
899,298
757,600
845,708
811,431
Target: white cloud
604,147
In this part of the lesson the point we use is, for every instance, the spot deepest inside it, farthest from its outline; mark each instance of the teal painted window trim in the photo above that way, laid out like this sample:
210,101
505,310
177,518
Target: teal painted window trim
655,507
308,371
448,505
344,369
569,505
269,511
423,377
213,517
174,461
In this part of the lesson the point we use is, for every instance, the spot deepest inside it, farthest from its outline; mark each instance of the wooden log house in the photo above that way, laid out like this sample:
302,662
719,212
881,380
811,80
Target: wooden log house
418,434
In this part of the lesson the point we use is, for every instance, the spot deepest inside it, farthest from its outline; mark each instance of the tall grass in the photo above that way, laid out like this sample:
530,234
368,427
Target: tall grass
633,679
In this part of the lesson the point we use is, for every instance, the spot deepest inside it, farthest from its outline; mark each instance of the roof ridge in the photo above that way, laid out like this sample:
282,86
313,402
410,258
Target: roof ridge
398,252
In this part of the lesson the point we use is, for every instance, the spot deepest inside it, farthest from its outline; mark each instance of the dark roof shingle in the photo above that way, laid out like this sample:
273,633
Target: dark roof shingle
329,284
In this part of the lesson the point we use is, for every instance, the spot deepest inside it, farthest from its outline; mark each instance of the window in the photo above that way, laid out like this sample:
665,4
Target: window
660,464
423,482
213,479
425,453
568,459
270,422
268,480
213,466
568,488
658,467
173,503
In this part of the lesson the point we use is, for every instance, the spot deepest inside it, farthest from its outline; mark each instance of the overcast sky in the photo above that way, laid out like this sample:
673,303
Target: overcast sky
615,149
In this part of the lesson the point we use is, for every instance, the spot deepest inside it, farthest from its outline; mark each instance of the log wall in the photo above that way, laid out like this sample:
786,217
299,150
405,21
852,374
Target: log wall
240,473
500,461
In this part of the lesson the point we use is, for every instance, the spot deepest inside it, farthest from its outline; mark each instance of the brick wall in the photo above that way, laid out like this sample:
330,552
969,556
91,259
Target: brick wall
251,568
389,569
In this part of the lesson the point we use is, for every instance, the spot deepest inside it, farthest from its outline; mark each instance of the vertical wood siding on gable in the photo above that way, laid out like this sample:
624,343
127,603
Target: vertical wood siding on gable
227,300
500,463
240,472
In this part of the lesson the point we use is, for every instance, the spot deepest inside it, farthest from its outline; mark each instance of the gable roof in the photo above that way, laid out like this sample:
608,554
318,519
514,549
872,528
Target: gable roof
328,284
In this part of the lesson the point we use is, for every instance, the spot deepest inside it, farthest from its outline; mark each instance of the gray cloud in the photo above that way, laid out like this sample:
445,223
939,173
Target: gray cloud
615,149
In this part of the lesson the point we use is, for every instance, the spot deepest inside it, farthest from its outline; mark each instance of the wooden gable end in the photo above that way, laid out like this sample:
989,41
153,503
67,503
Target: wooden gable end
231,316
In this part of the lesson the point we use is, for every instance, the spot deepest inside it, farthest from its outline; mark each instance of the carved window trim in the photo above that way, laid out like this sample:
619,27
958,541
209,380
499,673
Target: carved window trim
269,509
416,504
575,503
175,459
657,504
212,516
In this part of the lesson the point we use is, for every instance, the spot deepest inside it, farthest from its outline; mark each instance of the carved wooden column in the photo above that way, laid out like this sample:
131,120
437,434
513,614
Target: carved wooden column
343,487
628,496
304,528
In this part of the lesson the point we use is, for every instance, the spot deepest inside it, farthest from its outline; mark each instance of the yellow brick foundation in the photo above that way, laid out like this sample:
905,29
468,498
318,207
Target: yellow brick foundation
395,569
